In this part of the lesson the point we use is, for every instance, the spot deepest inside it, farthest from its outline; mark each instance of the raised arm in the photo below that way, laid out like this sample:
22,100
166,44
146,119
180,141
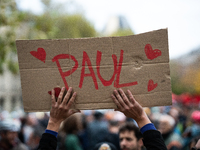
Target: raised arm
131,108
60,110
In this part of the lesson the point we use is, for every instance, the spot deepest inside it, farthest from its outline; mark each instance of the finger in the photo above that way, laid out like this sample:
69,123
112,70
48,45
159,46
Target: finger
67,96
73,111
124,97
116,101
116,109
53,100
71,101
119,98
75,101
131,98
61,95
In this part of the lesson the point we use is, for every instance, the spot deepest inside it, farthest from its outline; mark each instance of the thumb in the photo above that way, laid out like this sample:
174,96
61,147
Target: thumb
73,111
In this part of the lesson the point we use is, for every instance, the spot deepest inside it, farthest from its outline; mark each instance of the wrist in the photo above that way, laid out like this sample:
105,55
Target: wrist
53,125
51,132
149,126
143,120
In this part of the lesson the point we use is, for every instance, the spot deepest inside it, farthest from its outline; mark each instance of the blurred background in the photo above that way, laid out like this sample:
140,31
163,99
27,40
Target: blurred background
51,19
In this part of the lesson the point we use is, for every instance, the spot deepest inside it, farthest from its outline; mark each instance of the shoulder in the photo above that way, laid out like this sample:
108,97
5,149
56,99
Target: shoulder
151,133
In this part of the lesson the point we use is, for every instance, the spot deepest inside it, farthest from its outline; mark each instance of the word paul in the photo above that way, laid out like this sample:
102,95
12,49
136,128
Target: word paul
87,63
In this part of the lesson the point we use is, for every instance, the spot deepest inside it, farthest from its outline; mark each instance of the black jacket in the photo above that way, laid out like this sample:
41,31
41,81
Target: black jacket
152,140
48,142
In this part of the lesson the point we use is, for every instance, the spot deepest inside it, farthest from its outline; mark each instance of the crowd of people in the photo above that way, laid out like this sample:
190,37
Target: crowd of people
179,125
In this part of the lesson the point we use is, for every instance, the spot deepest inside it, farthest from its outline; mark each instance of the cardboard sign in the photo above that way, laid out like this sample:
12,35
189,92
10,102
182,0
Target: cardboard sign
94,67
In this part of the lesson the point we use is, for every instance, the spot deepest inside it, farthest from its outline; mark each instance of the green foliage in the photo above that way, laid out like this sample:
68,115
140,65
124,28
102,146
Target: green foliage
73,26
177,86
123,32
54,22
175,72
13,67
182,78
9,20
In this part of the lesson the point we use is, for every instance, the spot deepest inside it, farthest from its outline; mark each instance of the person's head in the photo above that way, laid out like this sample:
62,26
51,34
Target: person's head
35,137
130,137
166,124
195,116
113,126
8,133
31,119
174,112
98,115
72,124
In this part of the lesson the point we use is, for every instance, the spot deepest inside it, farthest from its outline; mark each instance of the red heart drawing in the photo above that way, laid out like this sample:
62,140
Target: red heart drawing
57,91
151,85
150,53
39,54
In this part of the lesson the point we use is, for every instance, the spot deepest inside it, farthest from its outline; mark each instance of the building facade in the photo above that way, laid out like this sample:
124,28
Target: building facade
10,92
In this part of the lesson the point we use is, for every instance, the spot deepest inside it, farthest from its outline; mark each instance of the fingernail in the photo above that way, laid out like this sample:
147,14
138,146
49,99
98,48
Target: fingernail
63,88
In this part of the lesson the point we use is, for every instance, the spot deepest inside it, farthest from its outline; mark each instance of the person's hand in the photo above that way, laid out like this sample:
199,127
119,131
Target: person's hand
61,109
130,107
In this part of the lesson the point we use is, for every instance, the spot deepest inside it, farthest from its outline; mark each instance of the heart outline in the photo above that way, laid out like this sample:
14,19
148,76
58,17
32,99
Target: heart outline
39,54
151,85
150,53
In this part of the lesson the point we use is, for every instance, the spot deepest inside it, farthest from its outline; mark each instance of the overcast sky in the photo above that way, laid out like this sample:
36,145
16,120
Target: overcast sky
181,17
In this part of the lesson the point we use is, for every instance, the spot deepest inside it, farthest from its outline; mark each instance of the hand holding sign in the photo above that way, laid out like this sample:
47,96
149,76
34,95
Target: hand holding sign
61,109
130,107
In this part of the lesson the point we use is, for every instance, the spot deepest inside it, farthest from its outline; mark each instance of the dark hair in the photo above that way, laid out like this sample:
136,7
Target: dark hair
71,124
113,123
130,126
98,115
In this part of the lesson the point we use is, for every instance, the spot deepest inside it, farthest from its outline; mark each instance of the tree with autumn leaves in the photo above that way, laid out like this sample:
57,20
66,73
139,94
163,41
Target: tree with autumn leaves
185,78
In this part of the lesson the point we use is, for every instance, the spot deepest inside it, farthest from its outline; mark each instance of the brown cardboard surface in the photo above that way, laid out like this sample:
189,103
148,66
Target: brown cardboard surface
141,65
